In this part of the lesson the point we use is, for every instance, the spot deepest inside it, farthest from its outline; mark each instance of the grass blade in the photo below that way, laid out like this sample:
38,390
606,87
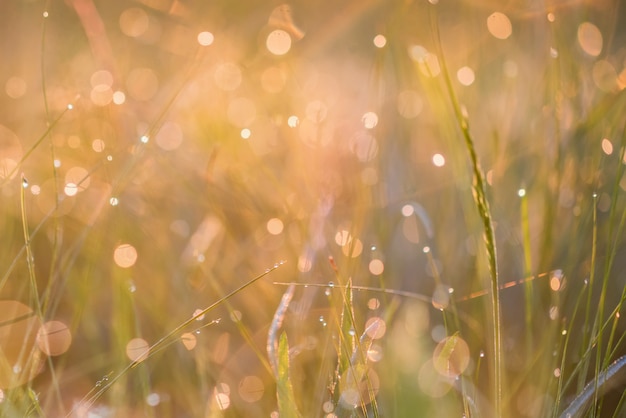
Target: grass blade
286,398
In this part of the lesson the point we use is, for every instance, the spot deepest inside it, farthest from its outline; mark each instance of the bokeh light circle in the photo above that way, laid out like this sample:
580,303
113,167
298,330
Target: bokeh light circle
125,255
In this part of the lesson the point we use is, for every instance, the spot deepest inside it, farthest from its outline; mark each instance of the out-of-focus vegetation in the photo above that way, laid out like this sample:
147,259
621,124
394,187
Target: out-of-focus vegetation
159,157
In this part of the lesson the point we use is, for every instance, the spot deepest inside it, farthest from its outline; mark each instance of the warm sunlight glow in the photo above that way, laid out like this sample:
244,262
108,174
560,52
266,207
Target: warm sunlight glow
142,84
125,255
134,22
205,38
17,337
278,42
251,388
273,79
439,160
451,356
409,104
376,267
380,41
227,76
170,136
275,226
137,349
15,87
465,75
54,338
189,340
499,25
293,121
375,328
590,39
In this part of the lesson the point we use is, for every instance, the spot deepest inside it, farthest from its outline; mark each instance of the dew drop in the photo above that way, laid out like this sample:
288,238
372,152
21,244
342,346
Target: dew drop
24,183
331,284
481,354
114,201
153,399
144,139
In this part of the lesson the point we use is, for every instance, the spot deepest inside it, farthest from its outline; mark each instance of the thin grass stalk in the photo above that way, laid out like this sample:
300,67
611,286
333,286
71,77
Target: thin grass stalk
482,204
38,142
528,271
618,234
345,361
34,291
559,389
90,399
583,363
588,335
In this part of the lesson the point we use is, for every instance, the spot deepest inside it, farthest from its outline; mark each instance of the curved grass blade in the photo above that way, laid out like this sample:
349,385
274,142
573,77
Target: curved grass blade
277,322
603,382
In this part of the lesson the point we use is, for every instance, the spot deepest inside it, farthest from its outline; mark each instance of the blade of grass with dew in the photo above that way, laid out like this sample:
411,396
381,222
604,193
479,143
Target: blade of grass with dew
347,329
482,205
348,343
591,348
601,382
275,326
284,389
243,330
92,397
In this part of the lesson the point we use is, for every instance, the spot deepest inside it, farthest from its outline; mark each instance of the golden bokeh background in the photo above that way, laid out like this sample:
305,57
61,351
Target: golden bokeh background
161,153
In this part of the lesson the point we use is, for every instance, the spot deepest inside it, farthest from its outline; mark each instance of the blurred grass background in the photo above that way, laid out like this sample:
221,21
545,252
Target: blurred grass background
208,141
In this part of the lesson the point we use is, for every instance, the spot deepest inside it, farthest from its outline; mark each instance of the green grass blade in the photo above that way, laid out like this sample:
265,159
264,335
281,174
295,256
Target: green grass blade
482,205
602,381
284,389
